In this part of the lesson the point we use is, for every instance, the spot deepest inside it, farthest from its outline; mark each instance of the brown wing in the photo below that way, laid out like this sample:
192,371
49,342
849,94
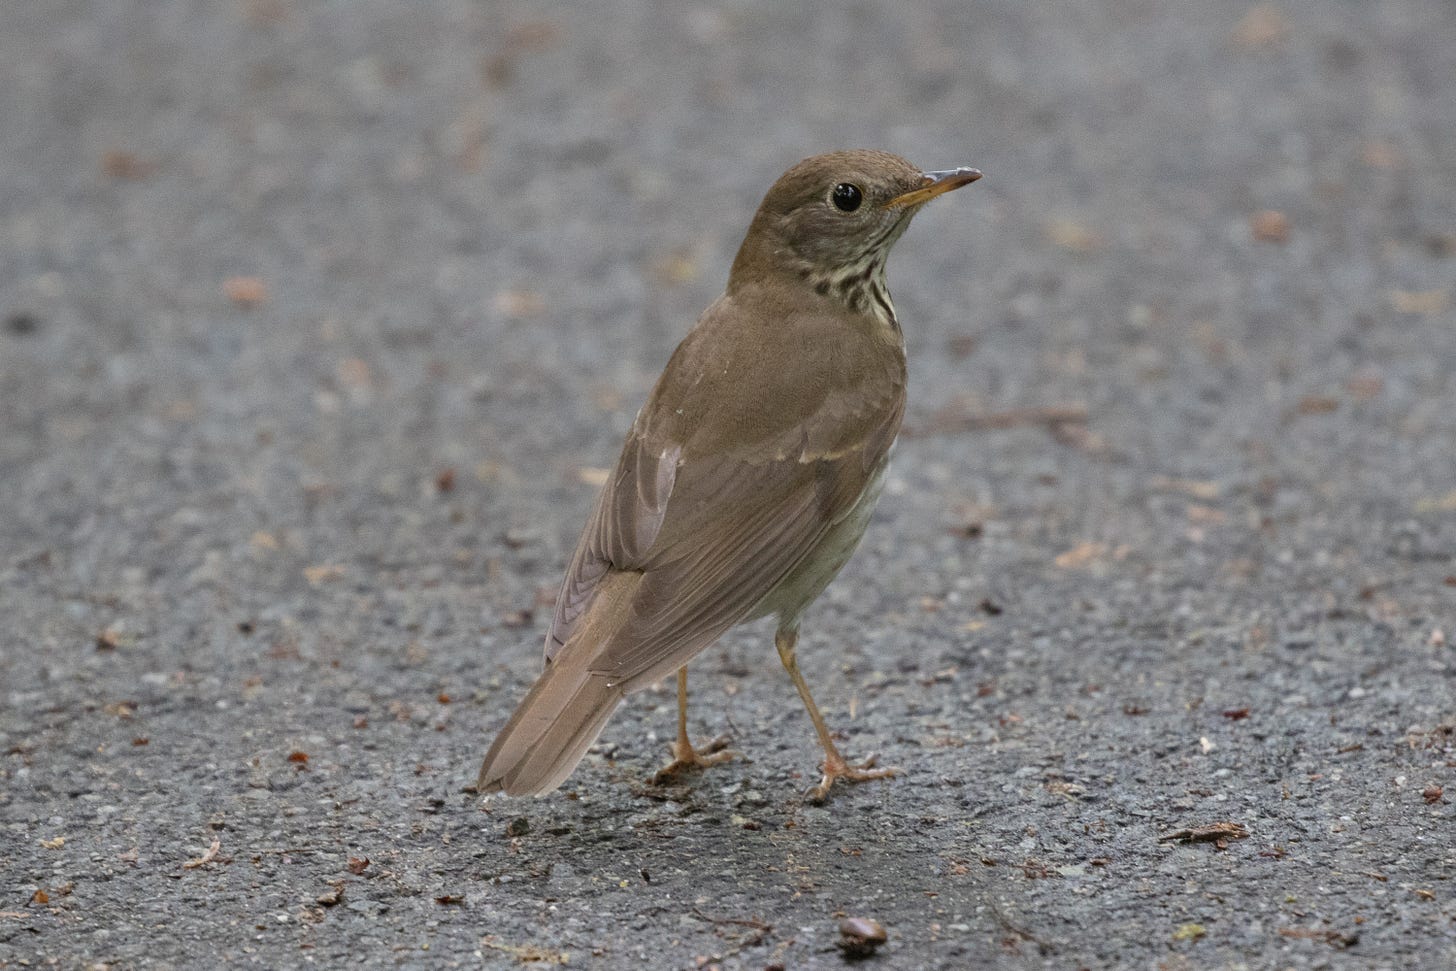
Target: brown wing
732,473
628,515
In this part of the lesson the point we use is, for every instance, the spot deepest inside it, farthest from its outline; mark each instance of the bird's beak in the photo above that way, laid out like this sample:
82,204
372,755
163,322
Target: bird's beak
933,184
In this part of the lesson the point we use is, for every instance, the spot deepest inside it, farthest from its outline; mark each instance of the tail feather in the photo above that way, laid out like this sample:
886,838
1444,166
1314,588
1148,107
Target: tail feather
568,707
549,733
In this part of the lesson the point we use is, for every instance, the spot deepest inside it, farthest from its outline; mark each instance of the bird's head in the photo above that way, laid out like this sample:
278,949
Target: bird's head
836,216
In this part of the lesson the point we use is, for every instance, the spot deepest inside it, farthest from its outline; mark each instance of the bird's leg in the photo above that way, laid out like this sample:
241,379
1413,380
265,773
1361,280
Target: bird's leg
835,767
684,756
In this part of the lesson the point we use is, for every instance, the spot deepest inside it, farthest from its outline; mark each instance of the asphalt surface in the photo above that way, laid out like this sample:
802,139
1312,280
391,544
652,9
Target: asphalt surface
318,322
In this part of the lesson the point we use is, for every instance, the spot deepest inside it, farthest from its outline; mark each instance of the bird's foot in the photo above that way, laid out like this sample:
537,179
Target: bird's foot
835,767
686,758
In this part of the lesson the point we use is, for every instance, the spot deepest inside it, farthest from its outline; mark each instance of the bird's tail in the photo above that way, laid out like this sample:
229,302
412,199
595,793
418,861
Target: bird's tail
549,733
566,709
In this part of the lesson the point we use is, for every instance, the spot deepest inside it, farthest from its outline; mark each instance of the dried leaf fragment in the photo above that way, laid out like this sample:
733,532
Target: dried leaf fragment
1080,555
1219,834
354,373
263,540
245,291
1317,404
323,573
1425,303
120,709
514,619
1446,503
677,268
121,164
1262,26
1363,387
1269,226
1196,488
519,304
1380,155
593,477
1072,235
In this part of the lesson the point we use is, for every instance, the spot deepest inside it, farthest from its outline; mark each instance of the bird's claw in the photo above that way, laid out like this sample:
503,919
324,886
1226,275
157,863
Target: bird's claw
835,767
687,758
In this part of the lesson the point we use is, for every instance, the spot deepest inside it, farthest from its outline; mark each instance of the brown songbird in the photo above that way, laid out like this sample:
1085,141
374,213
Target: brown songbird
749,475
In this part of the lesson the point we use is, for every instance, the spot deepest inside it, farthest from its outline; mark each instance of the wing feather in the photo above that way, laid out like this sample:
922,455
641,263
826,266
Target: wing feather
715,505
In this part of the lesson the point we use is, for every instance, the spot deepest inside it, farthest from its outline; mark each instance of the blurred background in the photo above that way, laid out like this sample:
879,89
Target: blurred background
319,322
276,209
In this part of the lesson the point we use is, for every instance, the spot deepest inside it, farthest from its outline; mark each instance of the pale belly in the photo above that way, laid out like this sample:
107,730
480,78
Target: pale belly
802,587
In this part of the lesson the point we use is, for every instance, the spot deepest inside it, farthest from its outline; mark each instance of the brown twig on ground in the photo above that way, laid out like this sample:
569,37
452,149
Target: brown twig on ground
760,930
205,858
757,925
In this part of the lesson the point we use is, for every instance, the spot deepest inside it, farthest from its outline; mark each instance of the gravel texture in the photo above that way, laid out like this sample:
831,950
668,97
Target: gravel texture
318,320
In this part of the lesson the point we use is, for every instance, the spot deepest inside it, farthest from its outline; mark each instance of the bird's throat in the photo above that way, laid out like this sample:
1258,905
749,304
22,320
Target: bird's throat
859,288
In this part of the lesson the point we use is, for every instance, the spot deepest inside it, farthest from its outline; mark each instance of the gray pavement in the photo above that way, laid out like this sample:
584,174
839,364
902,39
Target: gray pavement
318,320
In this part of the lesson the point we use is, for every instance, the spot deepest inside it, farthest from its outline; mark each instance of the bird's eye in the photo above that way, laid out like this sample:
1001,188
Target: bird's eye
847,197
